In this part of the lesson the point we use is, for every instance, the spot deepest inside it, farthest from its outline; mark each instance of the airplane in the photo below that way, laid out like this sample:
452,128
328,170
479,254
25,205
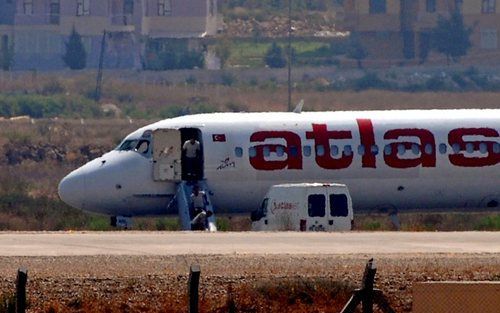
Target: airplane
394,160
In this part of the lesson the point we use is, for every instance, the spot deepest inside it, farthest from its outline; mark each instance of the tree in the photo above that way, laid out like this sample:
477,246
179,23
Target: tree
275,58
223,51
6,57
451,37
75,56
356,51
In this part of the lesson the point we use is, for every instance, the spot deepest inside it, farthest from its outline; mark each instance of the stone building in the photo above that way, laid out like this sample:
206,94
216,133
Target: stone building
400,29
38,29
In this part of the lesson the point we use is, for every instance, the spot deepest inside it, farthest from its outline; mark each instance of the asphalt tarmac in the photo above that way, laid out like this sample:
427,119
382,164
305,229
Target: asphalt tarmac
244,243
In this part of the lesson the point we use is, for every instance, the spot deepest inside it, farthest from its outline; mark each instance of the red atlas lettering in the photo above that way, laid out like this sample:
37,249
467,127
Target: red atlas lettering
293,150
367,138
322,136
455,137
425,137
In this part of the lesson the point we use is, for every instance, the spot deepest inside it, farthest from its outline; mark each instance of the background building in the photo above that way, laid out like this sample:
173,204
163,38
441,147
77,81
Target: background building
38,29
401,28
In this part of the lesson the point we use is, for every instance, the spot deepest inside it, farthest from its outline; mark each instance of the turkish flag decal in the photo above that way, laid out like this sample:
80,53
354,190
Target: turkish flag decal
219,137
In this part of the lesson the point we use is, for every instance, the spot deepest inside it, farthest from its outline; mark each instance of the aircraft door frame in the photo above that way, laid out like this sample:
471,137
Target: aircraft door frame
167,152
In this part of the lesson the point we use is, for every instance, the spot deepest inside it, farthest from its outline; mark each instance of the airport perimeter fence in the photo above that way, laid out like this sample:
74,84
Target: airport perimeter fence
429,297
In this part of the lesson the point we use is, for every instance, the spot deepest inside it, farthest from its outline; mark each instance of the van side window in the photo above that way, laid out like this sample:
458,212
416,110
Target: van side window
263,207
316,205
338,205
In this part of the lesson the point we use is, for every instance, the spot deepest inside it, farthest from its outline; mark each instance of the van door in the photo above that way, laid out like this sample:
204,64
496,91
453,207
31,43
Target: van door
339,212
167,155
316,209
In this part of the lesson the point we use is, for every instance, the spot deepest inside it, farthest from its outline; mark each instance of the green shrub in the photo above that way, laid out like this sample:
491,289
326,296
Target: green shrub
370,81
491,223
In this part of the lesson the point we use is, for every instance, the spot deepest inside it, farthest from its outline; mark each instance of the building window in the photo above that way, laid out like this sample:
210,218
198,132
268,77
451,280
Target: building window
489,39
489,6
28,7
82,7
164,7
128,7
55,11
212,7
378,6
430,6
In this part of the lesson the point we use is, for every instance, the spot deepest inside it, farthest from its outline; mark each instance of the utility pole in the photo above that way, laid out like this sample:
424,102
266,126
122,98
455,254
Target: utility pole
98,87
289,55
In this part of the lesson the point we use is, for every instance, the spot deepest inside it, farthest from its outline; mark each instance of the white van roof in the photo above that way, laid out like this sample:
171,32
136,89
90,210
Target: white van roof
304,185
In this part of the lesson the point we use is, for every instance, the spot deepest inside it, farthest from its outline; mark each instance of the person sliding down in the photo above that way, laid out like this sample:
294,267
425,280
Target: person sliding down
200,213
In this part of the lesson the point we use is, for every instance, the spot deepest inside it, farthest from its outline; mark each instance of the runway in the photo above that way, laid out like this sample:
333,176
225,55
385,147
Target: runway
249,243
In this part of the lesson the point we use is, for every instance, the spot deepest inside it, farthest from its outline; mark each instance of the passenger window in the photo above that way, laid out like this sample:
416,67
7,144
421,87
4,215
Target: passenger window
294,151
307,151
456,147
443,148
280,151
361,150
428,149
238,151
415,149
320,150
374,150
496,147
401,149
334,150
252,152
316,205
469,147
483,148
267,151
338,205
388,150
348,150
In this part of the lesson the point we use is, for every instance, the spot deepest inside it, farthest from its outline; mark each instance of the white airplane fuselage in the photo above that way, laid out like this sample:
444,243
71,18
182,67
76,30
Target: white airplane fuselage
388,159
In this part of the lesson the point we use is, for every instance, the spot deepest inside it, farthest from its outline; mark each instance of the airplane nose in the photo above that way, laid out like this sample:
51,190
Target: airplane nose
72,190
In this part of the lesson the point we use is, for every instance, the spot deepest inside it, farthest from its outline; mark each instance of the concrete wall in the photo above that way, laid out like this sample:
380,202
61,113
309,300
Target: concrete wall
7,11
453,297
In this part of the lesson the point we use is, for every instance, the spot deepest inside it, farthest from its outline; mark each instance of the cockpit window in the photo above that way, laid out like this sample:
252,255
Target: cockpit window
127,145
138,145
143,146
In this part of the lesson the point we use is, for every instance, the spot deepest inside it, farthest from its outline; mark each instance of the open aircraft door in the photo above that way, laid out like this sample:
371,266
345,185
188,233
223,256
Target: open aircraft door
167,152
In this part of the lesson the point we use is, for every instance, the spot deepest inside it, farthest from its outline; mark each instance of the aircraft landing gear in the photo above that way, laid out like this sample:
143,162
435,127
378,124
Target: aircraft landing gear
121,222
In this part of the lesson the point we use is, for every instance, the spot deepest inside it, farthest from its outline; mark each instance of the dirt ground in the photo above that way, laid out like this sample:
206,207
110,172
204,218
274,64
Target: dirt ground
248,283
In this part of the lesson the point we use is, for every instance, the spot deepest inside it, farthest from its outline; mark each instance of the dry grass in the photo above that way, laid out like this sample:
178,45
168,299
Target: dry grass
163,99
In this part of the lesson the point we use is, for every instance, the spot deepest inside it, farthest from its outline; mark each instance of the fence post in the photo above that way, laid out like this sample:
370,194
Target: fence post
22,279
366,295
367,287
194,282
